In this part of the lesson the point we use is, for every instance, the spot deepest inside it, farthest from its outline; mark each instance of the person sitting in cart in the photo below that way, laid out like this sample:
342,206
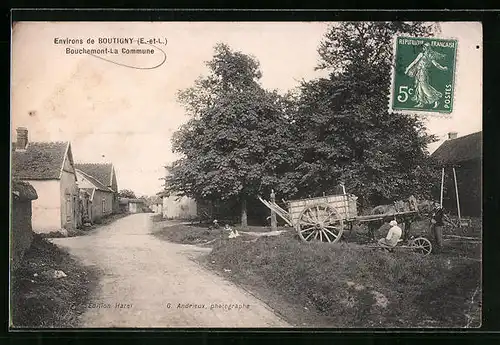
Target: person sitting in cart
393,236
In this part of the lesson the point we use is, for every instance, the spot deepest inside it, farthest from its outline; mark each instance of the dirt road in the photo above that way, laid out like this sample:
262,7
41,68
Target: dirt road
147,282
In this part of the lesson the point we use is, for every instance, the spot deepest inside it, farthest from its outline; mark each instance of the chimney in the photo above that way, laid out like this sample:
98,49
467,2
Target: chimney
452,135
22,138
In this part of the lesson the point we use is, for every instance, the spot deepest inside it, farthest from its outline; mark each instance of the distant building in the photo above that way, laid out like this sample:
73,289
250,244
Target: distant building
21,233
178,207
105,174
49,168
100,198
465,154
132,205
156,205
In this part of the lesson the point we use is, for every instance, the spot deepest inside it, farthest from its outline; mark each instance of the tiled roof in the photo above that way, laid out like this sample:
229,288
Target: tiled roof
460,149
97,184
40,161
100,171
23,190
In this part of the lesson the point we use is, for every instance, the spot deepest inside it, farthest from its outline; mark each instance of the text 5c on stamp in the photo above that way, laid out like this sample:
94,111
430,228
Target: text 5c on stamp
424,75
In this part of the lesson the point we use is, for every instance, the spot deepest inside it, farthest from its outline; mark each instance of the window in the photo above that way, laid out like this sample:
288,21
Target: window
103,205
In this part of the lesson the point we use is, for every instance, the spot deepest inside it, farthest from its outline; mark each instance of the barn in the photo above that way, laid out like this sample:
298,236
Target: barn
462,156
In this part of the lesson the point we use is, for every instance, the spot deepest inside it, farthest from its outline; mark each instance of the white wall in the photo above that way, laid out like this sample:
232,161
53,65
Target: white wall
179,208
46,212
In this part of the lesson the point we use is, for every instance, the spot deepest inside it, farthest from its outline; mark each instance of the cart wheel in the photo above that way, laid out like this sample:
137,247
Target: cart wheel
421,245
320,222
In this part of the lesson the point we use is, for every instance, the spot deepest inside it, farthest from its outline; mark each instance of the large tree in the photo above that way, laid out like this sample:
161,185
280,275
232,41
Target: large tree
127,193
342,125
235,145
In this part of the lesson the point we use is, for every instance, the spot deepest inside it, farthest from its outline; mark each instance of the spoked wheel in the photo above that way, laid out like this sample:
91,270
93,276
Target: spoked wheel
421,245
320,222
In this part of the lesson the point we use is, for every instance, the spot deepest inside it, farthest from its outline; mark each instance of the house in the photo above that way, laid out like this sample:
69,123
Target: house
106,175
178,207
465,155
21,233
132,205
49,168
99,203
156,205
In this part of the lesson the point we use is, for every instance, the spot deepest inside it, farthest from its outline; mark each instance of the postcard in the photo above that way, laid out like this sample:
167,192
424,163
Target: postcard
246,175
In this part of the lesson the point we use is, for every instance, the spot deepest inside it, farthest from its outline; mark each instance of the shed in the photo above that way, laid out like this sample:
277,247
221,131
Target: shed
21,233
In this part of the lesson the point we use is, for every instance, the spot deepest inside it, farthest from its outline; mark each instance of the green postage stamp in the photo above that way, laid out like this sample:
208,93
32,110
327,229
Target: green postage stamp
423,75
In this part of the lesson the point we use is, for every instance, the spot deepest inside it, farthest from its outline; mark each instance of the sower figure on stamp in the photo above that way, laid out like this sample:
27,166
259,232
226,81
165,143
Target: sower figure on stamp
419,70
437,226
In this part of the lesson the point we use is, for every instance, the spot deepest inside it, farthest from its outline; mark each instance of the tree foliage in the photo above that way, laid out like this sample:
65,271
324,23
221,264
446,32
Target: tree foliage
243,140
127,193
235,144
343,129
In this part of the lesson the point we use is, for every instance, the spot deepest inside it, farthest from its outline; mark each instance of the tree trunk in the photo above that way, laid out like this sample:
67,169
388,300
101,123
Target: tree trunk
244,221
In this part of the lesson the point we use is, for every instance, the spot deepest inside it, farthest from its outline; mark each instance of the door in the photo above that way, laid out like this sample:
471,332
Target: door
75,211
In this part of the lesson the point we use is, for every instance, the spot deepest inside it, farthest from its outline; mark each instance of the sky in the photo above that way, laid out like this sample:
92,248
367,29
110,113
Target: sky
113,113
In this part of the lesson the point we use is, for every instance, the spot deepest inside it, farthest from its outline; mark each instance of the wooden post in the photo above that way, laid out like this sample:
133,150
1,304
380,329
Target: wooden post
442,188
456,193
274,223
244,220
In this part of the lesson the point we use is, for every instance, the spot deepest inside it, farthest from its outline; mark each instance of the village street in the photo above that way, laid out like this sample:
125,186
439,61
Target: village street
146,282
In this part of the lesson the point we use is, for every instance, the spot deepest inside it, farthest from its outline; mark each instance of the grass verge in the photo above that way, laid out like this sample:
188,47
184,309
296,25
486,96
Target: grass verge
38,300
187,234
347,285
195,234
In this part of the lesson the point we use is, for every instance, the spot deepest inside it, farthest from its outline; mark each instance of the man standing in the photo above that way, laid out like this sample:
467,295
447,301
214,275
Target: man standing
393,236
340,188
437,226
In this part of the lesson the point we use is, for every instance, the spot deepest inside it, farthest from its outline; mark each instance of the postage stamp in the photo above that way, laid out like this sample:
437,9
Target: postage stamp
424,75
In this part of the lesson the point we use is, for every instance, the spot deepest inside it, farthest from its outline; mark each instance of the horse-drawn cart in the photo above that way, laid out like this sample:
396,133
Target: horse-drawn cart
325,219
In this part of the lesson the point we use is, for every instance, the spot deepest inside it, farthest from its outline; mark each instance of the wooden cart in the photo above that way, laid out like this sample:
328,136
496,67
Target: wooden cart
325,219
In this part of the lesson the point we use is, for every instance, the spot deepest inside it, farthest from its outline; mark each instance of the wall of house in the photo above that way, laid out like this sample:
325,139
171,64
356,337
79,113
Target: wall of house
46,210
157,208
135,207
21,231
469,189
98,209
69,197
116,199
183,208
